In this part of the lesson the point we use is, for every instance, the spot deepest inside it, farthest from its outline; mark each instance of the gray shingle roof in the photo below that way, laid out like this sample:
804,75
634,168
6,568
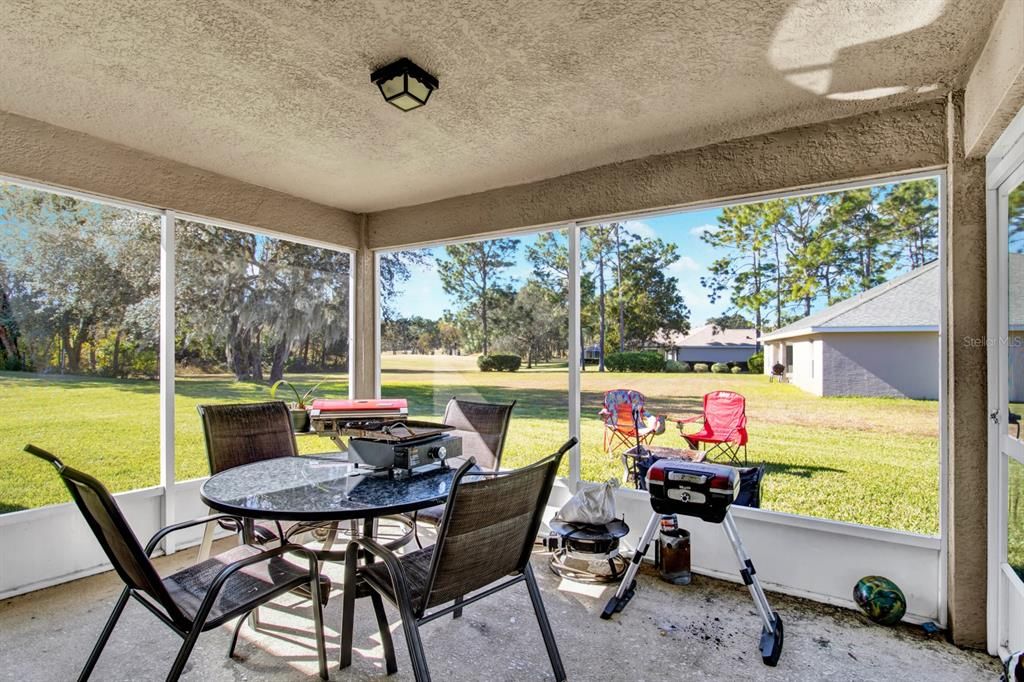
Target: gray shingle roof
910,301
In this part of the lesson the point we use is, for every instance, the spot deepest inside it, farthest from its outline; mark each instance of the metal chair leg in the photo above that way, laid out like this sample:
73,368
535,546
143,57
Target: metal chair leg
318,622
234,635
384,628
206,546
348,607
457,613
416,530
545,625
412,637
184,652
105,635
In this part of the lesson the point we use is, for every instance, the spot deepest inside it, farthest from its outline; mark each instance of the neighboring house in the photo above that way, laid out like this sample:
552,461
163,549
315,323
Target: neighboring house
708,344
883,342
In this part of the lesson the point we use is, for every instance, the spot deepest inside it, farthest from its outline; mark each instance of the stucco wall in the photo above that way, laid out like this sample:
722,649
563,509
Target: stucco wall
893,365
861,146
995,90
966,391
34,150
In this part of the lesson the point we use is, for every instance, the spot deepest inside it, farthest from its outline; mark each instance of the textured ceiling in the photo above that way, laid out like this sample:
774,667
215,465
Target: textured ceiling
278,93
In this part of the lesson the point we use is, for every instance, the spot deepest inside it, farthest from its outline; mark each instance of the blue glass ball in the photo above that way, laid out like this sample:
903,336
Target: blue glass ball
880,599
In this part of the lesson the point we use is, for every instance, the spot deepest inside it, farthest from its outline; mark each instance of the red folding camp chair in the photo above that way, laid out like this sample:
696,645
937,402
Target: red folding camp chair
723,426
619,427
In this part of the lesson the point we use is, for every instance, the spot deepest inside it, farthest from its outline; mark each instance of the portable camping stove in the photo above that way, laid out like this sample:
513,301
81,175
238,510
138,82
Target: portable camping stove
706,492
581,546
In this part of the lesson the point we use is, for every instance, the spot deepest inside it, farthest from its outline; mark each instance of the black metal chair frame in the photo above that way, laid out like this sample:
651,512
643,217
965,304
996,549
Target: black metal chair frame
412,618
153,594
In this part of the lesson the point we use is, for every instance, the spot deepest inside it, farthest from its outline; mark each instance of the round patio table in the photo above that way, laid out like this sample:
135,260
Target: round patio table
321,488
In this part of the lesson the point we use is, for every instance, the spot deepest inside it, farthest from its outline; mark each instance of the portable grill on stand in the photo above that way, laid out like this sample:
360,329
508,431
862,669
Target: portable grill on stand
381,439
703,491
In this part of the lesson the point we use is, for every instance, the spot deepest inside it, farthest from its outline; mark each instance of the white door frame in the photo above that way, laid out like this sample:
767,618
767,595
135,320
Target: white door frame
1005,171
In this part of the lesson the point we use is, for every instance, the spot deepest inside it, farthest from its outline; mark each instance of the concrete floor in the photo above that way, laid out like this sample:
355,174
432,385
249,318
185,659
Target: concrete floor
705,631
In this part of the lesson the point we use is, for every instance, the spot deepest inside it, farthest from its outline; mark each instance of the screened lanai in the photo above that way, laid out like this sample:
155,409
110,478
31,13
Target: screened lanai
200,201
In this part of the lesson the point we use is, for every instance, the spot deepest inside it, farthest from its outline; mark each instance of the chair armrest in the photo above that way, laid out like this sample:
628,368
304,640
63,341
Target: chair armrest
164,532
231,569
390,559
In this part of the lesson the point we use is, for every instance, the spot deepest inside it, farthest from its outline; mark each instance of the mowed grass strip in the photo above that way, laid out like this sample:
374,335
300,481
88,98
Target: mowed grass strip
862,460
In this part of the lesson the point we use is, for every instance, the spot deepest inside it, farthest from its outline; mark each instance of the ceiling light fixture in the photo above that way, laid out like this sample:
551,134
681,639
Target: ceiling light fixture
404,85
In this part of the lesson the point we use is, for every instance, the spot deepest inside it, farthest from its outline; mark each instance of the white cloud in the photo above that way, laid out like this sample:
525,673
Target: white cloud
701,229
640,229
685,264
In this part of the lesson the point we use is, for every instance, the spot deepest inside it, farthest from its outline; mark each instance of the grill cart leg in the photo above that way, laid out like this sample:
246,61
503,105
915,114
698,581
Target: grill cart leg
771,628
628,585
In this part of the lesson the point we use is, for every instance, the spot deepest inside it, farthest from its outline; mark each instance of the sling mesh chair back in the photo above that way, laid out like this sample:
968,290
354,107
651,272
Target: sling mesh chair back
723,426
620,429
195,599
483,428
246,433
240,434
487,535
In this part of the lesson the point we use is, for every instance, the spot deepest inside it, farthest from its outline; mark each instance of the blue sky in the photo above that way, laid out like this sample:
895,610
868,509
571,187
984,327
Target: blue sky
423,295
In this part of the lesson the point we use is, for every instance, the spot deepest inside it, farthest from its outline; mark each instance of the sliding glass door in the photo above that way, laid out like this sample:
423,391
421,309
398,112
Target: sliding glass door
1007,470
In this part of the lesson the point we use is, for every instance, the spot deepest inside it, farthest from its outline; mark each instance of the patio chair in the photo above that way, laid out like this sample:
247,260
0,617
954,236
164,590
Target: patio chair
244,433
195,599
723,427
483,428
487,534
624,409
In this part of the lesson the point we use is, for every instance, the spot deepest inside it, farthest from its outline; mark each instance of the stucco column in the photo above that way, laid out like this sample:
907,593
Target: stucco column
364,301
966,390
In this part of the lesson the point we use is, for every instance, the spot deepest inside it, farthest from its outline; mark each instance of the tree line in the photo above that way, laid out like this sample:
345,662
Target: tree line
627,296
785,256
79,294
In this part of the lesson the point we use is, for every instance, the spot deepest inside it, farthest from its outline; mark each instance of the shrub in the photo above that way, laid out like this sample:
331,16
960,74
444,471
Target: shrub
635,361
499,363
700,367
756,363
719,368
737,369
677,367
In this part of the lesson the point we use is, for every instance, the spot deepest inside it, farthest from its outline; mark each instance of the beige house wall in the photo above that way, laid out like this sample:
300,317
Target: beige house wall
33,150
868,145
995,90
967,388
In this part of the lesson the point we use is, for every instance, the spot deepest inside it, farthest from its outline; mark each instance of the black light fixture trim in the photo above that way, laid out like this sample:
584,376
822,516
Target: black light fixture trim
400,94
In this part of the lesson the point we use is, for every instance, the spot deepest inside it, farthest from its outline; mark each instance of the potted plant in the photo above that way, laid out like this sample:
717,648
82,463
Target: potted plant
298,407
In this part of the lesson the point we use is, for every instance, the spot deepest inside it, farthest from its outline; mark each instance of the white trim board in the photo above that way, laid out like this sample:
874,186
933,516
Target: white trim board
807,331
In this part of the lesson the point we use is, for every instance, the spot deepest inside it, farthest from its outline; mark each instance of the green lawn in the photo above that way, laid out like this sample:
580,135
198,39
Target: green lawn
866,460
871,461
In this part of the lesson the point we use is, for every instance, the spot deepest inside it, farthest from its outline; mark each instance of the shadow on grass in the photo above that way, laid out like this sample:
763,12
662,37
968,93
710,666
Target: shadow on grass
798,470
214,388
6,508
426,399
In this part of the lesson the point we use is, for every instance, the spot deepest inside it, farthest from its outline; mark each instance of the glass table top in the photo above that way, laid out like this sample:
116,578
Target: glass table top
321,488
